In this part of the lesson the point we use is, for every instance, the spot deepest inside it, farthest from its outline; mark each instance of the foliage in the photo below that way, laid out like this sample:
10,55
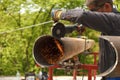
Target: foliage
116,3
16,47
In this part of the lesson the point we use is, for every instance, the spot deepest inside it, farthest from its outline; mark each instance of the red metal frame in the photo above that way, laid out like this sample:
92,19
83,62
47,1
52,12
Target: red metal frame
92,69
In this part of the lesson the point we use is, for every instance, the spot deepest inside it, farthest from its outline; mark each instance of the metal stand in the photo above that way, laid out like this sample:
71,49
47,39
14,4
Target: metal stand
92,68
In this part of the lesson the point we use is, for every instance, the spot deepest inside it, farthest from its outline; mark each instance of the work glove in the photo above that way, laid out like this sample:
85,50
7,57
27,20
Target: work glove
56,15
81,29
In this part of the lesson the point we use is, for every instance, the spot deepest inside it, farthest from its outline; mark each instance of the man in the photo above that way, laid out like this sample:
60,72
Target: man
101,17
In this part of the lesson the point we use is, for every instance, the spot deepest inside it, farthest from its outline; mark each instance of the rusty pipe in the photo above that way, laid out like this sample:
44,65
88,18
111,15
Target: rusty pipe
49,50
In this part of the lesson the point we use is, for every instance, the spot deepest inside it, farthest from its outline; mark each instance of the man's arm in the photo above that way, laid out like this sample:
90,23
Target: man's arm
103,22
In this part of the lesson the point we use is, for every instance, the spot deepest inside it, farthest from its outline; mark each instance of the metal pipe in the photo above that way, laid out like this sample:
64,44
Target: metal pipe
49,50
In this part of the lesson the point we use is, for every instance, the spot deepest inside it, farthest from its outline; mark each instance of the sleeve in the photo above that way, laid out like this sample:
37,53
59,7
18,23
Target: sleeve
103,22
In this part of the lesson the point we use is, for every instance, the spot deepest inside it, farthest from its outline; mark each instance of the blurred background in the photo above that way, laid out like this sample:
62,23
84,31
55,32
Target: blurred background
16,41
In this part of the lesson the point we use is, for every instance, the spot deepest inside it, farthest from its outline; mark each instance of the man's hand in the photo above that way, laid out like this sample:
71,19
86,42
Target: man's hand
56,15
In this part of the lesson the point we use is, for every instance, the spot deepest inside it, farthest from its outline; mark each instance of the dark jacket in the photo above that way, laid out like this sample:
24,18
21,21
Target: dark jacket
107,23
